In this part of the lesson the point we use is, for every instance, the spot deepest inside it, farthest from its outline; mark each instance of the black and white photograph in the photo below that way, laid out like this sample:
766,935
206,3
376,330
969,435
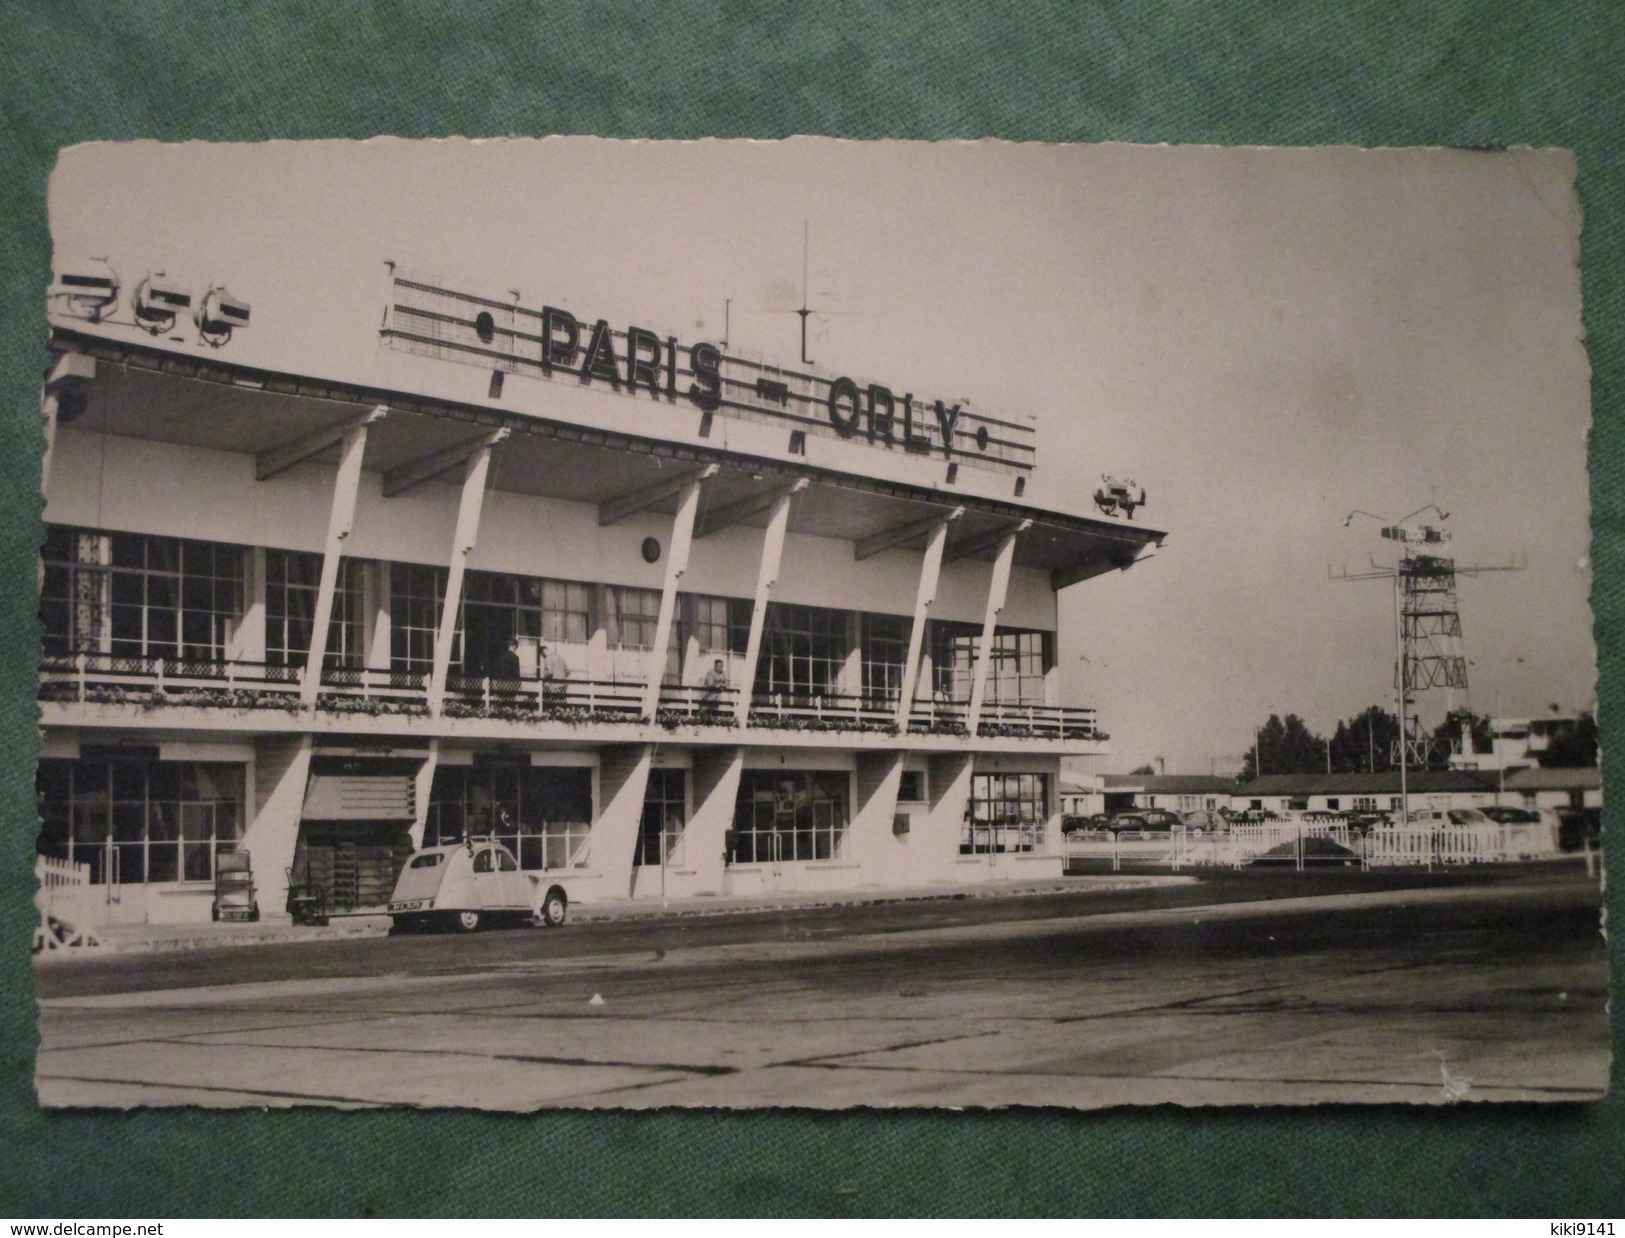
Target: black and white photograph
575,623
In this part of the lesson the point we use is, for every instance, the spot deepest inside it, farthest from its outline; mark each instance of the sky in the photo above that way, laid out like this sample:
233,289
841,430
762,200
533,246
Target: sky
1266,339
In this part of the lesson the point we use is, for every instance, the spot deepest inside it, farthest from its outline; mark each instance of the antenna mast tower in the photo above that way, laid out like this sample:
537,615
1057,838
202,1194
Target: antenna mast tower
1427,623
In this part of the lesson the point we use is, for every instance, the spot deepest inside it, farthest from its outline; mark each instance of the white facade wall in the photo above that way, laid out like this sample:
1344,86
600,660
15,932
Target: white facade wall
107,481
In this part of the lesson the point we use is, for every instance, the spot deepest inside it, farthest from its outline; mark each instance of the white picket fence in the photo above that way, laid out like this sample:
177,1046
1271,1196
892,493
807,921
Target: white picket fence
60,900
1429,843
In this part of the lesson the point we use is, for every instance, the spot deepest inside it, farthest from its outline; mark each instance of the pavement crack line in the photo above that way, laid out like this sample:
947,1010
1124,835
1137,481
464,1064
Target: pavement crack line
832,1060
536,1059
313,1097
1284,1081
1191,1004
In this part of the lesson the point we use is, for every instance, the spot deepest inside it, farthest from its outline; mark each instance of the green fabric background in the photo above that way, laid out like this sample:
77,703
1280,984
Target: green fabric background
1460,72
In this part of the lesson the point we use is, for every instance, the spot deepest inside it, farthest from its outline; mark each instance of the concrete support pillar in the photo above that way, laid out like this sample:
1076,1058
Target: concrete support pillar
247,643
934,834
930,571
767,576
852,668
281,770
997,589
340,518
714,792
882,856
422,786
375,638
682,538
623,780
468,529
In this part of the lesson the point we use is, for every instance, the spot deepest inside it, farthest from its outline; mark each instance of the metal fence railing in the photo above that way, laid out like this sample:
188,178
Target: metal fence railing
1292,842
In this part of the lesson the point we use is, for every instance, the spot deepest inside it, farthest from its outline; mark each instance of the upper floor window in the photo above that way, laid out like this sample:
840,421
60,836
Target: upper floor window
498,610
566,611
720,625
1016,674
416,593
137,595
885,649
804,650
292,579
630,616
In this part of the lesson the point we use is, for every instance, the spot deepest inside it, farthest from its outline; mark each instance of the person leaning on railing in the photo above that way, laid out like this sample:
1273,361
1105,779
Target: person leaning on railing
712,689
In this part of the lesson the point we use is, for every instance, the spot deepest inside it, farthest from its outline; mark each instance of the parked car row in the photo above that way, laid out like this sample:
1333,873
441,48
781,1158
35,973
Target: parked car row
1576,824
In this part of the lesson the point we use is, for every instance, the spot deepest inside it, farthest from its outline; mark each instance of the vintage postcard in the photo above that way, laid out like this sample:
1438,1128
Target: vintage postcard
579,623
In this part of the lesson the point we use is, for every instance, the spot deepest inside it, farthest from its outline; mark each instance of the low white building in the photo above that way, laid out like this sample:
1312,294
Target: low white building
1380,792
1554,788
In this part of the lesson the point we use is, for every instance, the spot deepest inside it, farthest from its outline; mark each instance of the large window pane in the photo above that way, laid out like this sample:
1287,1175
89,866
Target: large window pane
1008,812
132,821
790,815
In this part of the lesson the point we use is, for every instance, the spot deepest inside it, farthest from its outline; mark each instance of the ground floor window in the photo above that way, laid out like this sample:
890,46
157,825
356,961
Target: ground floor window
789,815
665,811
911,787
1007,813
542,814
135,818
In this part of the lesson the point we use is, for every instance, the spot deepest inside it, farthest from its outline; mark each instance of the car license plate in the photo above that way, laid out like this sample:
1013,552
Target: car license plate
415,904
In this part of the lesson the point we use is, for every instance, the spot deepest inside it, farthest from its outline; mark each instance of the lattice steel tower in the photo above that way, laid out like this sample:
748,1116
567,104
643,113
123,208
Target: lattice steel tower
1427,625
1429,617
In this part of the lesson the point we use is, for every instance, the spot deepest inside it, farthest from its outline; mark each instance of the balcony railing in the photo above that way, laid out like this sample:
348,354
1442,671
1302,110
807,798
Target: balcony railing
830,711
938,716
697,703
106,677
151,682
1037,721
354,689
597,700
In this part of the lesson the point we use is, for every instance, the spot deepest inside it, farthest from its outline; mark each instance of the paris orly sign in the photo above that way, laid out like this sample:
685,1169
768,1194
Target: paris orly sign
558,345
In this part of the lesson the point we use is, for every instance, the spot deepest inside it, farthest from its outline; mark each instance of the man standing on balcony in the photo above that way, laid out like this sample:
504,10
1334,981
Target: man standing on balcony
554,672
716,683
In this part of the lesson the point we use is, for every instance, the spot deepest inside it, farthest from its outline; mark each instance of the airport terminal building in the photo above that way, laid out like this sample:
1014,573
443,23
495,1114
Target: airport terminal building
667,621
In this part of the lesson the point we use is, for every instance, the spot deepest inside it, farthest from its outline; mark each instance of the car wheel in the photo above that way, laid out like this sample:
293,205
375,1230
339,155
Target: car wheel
553,910
465,921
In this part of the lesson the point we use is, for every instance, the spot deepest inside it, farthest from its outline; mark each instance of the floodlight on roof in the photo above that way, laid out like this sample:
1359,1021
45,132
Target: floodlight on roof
156,301
86,289
218,315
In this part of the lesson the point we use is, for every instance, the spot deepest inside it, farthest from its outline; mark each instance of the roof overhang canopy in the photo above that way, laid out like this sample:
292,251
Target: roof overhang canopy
283,420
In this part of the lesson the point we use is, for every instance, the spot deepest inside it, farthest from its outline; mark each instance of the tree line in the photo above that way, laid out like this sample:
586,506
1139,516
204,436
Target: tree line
1367,743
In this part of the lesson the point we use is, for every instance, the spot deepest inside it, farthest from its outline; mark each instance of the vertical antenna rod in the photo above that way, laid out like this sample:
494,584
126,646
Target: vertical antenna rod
804,311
